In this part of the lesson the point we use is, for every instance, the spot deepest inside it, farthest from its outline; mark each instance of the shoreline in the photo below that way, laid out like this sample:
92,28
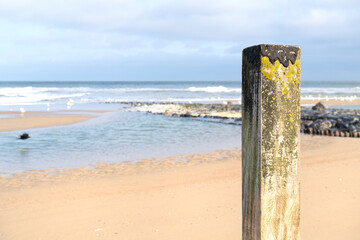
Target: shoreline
190,196
130,167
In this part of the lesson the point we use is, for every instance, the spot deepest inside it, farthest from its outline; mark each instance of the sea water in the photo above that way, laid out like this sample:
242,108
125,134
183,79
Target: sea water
113,137
39,95
121,136
21,94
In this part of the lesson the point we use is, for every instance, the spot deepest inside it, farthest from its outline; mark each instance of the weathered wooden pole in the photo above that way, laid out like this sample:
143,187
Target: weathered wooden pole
270,143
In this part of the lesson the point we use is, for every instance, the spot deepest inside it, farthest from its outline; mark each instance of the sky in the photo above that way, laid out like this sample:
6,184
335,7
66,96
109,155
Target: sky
142,40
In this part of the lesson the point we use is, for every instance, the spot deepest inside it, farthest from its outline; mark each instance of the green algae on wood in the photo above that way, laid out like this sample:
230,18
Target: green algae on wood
270,142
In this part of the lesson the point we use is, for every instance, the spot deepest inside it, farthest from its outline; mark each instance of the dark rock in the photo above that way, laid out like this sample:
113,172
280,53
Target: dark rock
322,125
333,122
349,118
187,114
308,123
342,125
24,136
355,120
352,129
319,107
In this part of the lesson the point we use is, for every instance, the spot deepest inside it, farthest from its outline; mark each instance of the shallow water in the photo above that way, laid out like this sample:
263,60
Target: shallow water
113,137
119,136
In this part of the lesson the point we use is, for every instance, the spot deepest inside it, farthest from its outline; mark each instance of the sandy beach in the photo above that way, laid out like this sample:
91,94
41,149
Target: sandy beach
183,197
339,101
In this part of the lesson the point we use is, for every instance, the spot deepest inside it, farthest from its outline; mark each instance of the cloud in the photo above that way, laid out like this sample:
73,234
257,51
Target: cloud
217,20
67,31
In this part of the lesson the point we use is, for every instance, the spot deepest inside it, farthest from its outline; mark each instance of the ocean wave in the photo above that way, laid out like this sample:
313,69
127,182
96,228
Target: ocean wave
37,98
352,90
217,89
209,89
26,91
19,92
191,93
23,91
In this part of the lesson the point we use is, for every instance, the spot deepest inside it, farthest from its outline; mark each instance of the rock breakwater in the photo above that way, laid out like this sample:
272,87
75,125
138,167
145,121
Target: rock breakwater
318,120
227,113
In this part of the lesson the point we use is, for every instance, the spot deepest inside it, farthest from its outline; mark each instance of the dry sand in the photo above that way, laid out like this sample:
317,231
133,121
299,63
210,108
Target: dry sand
17,121
196,198
344,101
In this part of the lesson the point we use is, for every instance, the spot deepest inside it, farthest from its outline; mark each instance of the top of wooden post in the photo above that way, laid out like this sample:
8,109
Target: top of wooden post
283,53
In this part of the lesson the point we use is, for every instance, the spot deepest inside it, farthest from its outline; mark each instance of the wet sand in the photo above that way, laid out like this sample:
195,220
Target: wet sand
185,197
17,121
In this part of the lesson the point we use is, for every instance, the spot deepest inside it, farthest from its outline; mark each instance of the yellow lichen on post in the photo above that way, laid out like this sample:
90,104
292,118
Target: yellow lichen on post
280,150
271,131
275,72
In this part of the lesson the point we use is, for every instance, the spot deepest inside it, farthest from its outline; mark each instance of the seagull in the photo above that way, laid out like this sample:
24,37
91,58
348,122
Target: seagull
69,104
22,110
48,106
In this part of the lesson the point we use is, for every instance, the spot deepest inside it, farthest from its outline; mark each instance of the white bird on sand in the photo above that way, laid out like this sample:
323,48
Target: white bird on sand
69,104
47,106
22,111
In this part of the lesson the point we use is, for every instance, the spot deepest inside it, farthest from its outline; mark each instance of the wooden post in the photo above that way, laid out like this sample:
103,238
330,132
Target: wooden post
270,143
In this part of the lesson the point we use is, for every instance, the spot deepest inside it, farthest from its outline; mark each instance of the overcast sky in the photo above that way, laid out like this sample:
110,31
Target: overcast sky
172,40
